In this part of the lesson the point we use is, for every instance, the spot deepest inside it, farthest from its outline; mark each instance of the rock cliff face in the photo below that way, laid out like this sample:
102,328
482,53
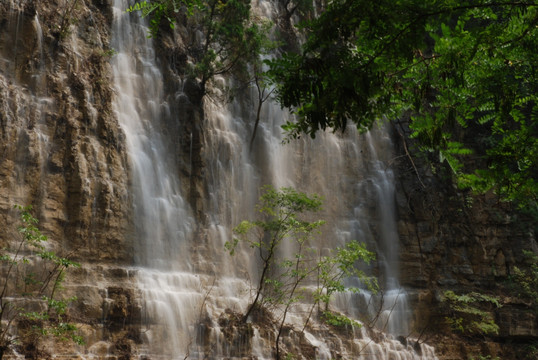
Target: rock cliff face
63,150
454,240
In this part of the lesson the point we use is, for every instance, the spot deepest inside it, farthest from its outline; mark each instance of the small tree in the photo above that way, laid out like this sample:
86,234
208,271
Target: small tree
332,270
282,278
31,279
280,223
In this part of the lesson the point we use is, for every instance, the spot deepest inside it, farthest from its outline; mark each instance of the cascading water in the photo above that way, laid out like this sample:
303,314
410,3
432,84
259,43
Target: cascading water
394,310
184,295
161,213
375,223
163,223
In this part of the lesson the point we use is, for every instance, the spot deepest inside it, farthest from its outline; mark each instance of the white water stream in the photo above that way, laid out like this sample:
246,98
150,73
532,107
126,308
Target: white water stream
187,282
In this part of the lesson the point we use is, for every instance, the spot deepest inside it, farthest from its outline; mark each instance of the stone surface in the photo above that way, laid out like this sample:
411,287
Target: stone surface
62,148
453,240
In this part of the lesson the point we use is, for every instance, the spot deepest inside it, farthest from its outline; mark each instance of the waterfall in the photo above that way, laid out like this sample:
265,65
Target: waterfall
162,217
163,223
186,278
380,227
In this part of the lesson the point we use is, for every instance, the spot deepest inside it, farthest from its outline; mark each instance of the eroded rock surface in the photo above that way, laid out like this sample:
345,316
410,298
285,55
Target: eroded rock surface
62,150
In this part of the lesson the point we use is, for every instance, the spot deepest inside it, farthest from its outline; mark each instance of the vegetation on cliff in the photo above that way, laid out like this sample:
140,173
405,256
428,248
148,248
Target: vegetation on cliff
468,313
284,279
32,277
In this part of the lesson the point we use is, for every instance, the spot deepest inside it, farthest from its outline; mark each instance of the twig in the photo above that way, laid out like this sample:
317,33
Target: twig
202,305
262,97
408,154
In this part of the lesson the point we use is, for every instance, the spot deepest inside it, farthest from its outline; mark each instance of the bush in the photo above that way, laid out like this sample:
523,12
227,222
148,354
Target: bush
32,277
468,313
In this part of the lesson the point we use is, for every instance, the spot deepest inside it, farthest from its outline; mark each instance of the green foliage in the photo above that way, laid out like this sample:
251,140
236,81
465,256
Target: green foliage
463,71
32,277
283,277
525,286
469,313
531,351
108,53
231,38
340,264
280,211
68,18
340,320
527,279
482,357
161,10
